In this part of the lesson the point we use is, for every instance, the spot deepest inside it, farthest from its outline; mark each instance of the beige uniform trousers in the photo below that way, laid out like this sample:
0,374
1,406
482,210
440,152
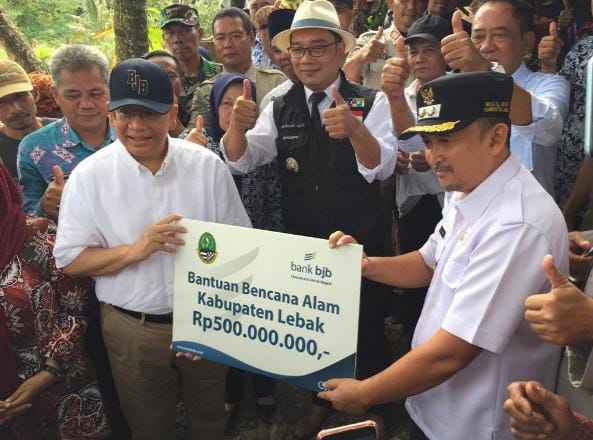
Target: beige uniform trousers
150,380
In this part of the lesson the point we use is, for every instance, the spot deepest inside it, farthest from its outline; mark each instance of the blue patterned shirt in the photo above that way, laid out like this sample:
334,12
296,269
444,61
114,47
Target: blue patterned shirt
260,57
54,144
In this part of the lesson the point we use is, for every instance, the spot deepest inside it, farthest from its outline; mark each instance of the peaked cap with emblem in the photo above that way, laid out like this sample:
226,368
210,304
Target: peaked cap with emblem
453,102
177,13
314,14
139,82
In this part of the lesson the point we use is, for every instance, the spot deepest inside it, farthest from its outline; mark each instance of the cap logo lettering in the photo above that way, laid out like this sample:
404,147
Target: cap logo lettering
496,106
427,96
135,81
8,75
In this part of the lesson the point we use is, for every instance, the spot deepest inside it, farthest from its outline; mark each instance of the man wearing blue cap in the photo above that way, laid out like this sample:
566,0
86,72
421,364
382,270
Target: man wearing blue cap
481,262
117,224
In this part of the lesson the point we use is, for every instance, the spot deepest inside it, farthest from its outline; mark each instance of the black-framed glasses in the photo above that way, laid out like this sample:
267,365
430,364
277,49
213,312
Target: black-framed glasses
316,50
127,114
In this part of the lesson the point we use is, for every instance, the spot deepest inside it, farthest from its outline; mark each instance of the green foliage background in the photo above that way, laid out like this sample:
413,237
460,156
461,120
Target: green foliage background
50,23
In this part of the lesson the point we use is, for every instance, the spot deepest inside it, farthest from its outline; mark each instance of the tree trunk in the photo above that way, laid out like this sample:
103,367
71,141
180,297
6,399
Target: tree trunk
17,46
130,27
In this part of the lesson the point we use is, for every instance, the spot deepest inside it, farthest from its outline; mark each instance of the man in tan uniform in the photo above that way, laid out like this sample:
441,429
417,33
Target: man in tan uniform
233,38
365,62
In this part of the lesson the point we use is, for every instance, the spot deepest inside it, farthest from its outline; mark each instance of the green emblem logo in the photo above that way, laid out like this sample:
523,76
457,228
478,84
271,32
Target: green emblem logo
207,248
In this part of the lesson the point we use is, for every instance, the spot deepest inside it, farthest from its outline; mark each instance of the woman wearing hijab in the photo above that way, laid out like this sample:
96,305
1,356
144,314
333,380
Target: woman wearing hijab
260,193
46,391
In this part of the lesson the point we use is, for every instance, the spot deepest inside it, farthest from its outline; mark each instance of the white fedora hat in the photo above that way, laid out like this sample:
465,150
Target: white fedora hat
314,14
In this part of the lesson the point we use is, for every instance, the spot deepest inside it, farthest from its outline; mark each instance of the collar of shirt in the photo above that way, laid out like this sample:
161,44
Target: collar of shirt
209,68
521,75
325,103
137,167
472,205
71,139
251,73
410,93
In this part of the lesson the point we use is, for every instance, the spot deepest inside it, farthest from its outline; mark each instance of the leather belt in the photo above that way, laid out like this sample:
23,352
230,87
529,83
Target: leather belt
147,317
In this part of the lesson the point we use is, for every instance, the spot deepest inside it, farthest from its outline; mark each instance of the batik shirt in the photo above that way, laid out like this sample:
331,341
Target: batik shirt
54,144
570,149
46,315
259,56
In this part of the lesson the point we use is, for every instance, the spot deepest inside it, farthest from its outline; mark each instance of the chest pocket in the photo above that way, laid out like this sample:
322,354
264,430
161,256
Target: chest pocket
453,272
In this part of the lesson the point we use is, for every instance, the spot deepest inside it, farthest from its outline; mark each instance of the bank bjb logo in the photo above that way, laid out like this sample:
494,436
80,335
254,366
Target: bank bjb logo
207,248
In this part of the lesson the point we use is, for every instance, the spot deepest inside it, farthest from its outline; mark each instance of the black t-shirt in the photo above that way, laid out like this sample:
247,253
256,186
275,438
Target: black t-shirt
9,149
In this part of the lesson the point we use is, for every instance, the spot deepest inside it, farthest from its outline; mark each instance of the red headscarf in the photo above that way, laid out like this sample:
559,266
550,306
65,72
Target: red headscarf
12,235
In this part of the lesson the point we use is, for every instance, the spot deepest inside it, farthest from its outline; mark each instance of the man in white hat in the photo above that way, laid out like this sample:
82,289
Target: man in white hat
330,172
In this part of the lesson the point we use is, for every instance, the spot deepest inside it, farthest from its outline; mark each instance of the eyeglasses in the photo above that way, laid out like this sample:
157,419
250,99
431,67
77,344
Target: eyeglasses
126,114
317,50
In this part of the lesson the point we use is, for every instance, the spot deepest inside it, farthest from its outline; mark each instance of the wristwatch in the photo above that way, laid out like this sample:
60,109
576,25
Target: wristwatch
56,371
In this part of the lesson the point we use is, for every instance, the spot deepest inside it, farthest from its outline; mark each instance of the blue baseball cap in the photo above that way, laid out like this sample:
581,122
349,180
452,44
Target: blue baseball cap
139,82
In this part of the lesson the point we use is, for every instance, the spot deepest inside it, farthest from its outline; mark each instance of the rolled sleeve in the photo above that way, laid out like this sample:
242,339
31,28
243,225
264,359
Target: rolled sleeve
548,111
379,124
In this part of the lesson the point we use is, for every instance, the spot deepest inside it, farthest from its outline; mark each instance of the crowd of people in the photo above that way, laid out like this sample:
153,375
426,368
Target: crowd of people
447,140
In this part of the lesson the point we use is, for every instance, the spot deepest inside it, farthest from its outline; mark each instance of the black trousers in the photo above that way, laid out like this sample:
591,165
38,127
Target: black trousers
414,229
262,386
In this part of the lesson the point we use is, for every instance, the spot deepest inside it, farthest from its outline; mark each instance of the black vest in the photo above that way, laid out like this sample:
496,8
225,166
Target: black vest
327,193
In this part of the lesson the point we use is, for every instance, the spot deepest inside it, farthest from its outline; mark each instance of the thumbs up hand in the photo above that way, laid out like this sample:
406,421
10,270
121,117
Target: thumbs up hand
396,72
548,49
565,17
459,51
371,51
339,121
244,112
562,316
196,135
50,201
538,413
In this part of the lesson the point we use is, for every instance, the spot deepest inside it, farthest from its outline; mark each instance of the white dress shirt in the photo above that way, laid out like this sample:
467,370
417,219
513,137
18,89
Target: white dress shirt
261,140
410,188
110,199
486,253
535,145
